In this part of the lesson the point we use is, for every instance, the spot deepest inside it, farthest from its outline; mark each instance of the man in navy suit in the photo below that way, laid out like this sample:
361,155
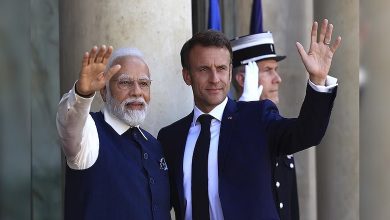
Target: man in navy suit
244,137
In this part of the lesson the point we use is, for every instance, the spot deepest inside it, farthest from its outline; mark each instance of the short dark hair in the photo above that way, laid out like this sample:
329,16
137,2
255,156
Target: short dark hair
205,38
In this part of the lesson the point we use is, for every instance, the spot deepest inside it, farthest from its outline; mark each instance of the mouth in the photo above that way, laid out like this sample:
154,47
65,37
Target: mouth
135,105
214,90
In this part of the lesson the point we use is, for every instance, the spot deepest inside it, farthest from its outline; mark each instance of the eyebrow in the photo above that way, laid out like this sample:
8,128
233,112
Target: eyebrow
203,66
222,65
124,76
270,67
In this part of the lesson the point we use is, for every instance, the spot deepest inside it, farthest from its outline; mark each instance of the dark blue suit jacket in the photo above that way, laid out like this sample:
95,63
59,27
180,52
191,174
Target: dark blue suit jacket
252,134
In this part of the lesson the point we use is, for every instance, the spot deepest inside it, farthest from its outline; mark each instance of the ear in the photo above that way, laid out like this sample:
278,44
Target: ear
103,93
186,76
240,79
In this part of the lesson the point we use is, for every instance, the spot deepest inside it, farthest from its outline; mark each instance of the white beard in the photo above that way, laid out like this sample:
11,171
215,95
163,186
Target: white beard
128,116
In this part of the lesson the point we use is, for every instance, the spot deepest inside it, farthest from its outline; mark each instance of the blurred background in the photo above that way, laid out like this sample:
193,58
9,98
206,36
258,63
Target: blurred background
42,42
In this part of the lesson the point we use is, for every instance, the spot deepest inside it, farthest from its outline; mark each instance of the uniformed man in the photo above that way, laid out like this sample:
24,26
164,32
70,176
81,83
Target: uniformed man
115,169
258,52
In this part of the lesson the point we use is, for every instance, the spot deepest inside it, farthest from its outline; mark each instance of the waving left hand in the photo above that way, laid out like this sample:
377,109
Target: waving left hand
319,57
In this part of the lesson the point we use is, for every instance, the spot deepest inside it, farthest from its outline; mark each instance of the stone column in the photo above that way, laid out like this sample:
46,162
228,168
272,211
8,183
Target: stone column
46,152
15,110
158,29
374,110
338,154
291,22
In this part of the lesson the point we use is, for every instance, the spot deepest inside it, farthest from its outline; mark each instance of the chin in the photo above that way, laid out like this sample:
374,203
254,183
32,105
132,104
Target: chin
275,100
217,100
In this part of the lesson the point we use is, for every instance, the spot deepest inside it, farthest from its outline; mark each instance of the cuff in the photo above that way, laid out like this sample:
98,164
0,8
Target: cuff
75,98
330,83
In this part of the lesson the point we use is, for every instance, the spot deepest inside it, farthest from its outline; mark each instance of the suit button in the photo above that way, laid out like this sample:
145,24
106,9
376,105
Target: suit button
277,164
291,165
277,184
146,156
151,180
281,205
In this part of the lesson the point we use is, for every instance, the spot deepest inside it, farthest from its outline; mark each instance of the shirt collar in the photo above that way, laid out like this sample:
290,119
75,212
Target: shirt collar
119,126
217,112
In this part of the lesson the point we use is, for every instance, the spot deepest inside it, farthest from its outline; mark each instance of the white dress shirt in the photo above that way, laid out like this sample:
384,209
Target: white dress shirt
77,129
215,207
213,191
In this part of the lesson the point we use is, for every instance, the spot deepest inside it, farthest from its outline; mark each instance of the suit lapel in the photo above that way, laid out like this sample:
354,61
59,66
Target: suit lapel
228,120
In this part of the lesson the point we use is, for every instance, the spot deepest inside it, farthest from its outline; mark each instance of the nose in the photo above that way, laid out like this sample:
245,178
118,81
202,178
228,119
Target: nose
213,75
277,78
136,91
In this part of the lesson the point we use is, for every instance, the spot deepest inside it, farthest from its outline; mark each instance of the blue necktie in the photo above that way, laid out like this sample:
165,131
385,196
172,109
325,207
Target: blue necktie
199,179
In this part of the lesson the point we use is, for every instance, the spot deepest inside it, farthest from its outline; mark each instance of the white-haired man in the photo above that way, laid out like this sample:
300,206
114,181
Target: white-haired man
115,169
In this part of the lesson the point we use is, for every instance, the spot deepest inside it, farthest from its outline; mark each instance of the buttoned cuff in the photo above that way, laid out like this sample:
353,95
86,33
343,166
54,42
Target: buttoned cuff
330,83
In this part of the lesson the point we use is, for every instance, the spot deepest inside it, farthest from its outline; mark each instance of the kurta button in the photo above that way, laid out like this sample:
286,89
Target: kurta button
146,156
281,205
277,184
277,164
291,165
151,180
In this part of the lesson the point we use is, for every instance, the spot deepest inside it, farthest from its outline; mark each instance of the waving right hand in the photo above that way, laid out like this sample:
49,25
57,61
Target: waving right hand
252,90
92,77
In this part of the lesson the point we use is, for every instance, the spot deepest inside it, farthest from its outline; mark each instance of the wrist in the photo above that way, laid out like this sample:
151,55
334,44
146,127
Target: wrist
82,94
319,81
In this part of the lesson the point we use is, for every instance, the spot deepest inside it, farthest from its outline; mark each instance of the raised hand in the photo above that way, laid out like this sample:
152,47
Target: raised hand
92,74
319,57
251,90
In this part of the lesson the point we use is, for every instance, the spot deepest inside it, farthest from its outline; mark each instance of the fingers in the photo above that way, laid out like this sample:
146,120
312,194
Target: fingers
251,75
100,54
314,29
336,44
247,68
254,66
92,55
325,35
301,51
97,55
84,62
328,35
324,28
107,55
112,71
259,91
252,70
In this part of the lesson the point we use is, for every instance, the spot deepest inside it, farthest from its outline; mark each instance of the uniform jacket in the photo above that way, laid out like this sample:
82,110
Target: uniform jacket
285,188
